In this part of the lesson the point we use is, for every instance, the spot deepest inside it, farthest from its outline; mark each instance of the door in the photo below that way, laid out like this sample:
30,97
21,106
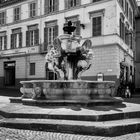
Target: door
9,73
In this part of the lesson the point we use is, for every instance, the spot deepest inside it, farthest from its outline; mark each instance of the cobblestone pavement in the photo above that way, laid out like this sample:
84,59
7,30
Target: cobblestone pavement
17,134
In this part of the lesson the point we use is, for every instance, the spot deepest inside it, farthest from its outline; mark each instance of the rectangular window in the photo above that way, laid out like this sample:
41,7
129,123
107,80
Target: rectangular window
32,9
121,3
126,10
32,36
71,3
122,27
50,33
2,18
95,0
17,12
130,16
16,38
96,26
51,6
32,68
3,42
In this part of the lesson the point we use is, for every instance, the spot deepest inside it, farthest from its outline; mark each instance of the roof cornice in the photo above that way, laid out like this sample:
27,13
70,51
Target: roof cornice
9,2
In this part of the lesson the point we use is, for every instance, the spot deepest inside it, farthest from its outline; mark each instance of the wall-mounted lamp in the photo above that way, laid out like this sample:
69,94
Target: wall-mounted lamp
82,25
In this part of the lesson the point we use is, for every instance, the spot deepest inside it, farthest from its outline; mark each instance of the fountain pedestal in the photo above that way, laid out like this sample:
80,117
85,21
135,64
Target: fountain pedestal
71,92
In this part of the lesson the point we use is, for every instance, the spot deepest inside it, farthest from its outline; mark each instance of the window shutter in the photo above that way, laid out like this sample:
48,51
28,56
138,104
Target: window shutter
12,41
131,47
56,31
69,4
97,26
30,10
78,27
27,38
20,40
123,31
37,37
5,42
56,5
78,2
130,40
66,4
46,8
120,28
45,38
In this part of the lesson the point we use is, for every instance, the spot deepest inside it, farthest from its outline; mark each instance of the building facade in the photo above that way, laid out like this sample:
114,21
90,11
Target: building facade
137,57
27,28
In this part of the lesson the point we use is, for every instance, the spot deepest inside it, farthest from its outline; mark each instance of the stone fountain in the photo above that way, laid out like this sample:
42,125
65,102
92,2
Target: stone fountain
68,59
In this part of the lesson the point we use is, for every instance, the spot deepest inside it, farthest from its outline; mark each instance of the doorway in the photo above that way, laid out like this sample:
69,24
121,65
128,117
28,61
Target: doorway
9,73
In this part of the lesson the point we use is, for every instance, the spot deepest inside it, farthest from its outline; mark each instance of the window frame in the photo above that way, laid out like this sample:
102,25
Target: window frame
32,71
69,5
3,18
53,26
29,7
32,35
2,43
96,29
94,14
15,14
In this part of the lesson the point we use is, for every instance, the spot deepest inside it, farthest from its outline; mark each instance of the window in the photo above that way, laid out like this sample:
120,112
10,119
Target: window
71,3
51,6
75,22
17,14
3,41
95,0
16,38
126,8
32,9
122,26
32,68
130,16
32,36
2,18
96,26
50,33
121,3
131,39
127,34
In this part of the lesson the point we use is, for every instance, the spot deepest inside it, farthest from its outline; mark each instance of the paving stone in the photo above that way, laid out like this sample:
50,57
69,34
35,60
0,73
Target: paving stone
19,134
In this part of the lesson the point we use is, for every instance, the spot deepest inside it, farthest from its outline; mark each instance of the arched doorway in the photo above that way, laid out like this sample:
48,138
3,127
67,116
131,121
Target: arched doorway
50,75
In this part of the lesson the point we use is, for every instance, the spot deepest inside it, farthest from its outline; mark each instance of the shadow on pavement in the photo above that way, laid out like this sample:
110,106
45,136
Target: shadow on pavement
135,100
10,92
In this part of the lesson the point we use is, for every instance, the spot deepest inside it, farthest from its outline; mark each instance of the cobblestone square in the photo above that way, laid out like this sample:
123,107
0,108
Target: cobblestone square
17,134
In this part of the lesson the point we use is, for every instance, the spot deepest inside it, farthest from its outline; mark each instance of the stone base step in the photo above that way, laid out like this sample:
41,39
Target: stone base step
96,101
107,128
60,115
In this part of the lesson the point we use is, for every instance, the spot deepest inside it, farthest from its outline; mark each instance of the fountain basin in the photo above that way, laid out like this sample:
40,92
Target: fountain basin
79,91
